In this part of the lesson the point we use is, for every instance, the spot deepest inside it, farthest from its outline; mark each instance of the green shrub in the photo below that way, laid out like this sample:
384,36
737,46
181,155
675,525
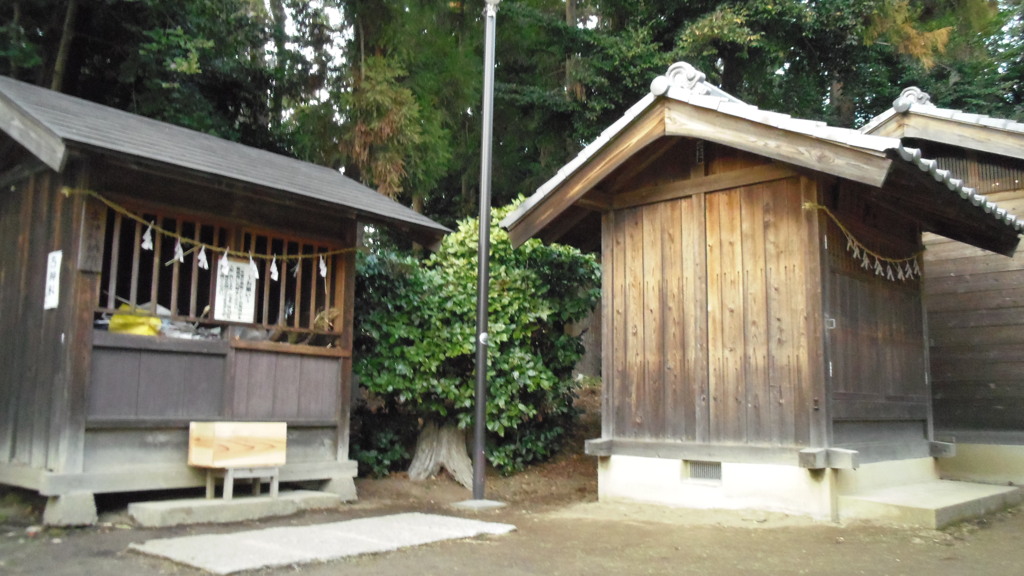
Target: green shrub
380,444
416,331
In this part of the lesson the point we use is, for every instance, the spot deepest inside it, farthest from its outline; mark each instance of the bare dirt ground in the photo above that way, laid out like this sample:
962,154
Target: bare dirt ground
561,530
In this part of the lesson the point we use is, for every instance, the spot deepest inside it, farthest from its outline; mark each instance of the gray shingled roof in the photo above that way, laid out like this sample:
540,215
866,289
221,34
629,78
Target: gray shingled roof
58,121
684,83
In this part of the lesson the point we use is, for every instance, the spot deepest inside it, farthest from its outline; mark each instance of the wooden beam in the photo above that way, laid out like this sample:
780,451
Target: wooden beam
650,156
711,452
715,182
645,130
297,349
891,128
596,200
843,458
567,220
32,134
140,478
813,458
793,148
941,449
965,135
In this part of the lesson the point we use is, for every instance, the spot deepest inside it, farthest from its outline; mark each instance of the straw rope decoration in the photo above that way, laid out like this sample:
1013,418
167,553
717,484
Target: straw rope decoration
891,269
152,227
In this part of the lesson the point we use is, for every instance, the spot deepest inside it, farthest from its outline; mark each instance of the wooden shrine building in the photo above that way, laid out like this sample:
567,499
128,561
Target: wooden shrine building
151,276
764,336
974,299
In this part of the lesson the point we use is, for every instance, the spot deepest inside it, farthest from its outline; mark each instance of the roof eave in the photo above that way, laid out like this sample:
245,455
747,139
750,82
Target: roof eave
36,137
978,221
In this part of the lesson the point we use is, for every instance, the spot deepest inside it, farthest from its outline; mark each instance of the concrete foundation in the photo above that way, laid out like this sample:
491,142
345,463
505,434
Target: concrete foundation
742,486
73,509
901,491
344,487
986,463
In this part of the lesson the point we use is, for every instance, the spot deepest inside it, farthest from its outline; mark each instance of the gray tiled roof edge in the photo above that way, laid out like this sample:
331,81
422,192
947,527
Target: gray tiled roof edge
88,124
684,83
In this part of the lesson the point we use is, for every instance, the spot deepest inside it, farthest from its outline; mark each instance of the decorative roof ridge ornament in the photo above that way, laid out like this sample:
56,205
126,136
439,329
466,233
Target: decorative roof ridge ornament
683,76
912,96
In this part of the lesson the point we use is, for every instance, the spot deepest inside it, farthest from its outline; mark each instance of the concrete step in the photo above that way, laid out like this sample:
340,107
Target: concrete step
164,513
934,504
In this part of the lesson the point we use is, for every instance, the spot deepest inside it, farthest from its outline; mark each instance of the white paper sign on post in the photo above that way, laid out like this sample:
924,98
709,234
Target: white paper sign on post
236,292
52,296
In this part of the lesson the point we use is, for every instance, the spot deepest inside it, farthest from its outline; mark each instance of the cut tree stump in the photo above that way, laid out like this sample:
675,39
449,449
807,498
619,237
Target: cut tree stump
442,447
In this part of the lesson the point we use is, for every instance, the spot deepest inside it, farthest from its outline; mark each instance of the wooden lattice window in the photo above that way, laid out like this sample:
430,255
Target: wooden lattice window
300,300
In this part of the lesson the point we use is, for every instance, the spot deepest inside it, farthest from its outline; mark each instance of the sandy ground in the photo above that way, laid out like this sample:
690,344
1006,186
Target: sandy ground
561,530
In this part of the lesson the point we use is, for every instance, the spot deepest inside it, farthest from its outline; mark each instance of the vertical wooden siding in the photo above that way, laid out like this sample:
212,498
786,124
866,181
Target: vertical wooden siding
876,343
271,386
975,306
35,219
708,329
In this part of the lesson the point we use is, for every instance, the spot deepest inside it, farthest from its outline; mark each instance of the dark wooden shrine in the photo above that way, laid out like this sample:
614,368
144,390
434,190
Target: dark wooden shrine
85,408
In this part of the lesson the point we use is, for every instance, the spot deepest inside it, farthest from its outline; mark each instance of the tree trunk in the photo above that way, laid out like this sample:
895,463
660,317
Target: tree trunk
279,17
64,49
442,447
841,104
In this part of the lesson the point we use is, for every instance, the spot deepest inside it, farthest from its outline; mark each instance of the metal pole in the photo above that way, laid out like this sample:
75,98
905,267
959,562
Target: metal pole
483,264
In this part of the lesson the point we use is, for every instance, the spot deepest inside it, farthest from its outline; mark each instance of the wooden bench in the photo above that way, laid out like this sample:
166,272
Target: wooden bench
238,450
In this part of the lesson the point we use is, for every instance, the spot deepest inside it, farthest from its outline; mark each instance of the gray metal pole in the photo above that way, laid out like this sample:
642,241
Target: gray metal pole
483,264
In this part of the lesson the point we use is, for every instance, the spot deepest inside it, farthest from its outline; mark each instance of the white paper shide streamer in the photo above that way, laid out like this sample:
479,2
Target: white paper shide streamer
179,254
222,264
202,259
252,266
147,238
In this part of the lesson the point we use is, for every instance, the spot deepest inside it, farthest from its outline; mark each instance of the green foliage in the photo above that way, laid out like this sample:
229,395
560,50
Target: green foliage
391,89
416,327
380,442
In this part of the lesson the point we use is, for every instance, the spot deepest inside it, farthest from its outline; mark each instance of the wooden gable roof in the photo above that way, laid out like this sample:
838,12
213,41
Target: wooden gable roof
682,104
913,116
50,125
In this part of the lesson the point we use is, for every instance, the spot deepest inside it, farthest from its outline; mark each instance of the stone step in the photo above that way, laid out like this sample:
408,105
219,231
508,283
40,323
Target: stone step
934,504
162,513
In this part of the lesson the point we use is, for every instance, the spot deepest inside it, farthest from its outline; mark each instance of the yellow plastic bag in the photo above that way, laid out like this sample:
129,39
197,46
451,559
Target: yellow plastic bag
139,325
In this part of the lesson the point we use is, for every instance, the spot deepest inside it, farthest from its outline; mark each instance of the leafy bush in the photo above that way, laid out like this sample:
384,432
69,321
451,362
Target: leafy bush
416,323
380,443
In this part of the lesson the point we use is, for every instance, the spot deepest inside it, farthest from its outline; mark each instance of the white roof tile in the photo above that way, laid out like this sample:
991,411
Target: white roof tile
685,84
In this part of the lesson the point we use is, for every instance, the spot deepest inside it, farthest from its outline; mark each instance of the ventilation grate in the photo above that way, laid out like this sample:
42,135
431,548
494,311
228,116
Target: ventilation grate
700,470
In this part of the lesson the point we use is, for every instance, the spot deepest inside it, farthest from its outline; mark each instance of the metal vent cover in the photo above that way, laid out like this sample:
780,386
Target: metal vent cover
701,470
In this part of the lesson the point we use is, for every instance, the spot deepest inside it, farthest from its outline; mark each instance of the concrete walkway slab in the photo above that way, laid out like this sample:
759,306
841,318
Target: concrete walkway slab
272,547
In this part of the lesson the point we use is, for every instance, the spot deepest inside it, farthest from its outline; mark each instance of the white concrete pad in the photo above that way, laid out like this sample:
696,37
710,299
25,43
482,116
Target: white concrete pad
253,549
933,504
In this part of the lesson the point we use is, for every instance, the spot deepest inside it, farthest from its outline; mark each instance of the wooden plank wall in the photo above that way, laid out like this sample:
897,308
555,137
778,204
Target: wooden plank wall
876,349
35,219
975,306
708,335
291,387
135,385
